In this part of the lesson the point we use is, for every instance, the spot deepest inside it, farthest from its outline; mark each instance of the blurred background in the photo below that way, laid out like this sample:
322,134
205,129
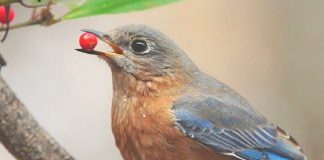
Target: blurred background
271,52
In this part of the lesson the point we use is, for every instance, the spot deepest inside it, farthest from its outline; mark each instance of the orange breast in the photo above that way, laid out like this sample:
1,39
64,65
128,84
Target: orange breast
144,130
143,122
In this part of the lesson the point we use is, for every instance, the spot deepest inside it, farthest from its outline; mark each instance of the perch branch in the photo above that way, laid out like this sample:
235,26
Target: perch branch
21,134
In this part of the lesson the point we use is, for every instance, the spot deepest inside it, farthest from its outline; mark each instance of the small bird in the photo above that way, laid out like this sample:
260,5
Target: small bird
165,108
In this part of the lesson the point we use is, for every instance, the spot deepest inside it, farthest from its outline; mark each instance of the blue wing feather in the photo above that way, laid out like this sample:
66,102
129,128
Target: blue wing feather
237,130
253,154
224,139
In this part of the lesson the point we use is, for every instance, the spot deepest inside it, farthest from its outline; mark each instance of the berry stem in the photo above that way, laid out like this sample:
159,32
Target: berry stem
30,23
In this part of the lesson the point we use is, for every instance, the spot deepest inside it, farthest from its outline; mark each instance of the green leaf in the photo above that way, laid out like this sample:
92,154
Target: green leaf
97,7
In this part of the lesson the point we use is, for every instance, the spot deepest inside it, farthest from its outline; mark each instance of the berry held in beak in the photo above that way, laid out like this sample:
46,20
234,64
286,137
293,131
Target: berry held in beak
88,42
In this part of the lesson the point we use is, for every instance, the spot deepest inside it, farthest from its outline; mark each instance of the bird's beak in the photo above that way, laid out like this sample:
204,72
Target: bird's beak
105,38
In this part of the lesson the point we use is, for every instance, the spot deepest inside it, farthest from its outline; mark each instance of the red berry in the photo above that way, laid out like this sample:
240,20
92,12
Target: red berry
88,41
3,15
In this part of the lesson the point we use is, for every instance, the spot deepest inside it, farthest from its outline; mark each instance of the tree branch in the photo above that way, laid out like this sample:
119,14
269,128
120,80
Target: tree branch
21,134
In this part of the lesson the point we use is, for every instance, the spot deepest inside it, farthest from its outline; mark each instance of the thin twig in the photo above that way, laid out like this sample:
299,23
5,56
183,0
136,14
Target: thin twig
33,22
24,24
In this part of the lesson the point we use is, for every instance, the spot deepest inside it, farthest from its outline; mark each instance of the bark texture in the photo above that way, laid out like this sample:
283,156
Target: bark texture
21,134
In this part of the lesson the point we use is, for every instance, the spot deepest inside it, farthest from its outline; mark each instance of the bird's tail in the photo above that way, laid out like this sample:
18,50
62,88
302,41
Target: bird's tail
286,148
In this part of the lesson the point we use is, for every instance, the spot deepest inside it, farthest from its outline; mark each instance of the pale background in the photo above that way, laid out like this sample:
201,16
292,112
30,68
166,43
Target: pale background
269,51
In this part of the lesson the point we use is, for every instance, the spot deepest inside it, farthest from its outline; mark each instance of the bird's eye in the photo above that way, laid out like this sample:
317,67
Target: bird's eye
140,47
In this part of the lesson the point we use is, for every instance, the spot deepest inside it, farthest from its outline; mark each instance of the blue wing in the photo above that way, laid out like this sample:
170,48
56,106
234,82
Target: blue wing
230,128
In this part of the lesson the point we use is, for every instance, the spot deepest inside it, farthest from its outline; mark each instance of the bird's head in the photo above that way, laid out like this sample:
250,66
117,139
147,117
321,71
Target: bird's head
144,53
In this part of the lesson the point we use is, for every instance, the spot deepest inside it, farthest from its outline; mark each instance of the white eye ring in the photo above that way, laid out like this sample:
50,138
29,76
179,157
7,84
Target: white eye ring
140,46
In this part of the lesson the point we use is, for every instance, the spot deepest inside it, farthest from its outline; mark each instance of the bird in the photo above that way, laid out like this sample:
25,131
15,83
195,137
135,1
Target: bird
165,108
